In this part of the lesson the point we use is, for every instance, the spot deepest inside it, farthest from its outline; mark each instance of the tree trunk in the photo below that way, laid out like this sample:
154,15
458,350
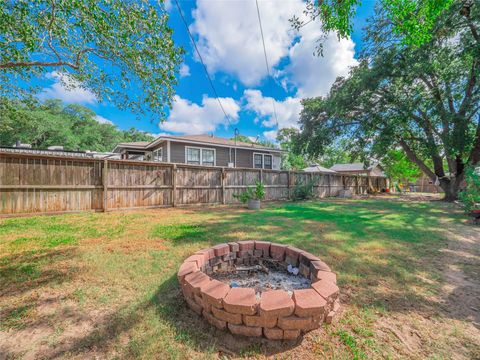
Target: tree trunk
451,188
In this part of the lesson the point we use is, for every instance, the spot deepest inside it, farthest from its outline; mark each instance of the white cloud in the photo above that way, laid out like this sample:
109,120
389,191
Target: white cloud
67,89
190,118
103,120
314,75
184,70
229,41
158,134
287,111
229,35
271,135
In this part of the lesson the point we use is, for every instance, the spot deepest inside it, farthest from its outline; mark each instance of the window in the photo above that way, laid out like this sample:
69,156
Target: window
262,161
200,156
267,161
193,156
157,155
258,161
208,157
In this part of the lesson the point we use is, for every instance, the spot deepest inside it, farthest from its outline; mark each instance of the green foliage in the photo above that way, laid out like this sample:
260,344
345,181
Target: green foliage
339,152
246,139
413,21
252,193
399,169
470,196
290,160
122,51
54,123
303,190
422,99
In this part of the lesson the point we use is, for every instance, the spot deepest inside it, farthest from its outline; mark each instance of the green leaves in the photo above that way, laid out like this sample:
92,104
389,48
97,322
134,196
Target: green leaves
422,98
53,123
121,51
412,20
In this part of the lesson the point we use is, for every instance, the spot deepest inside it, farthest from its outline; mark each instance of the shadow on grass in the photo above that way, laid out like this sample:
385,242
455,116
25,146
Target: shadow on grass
387,257
179,324
386,254
27,271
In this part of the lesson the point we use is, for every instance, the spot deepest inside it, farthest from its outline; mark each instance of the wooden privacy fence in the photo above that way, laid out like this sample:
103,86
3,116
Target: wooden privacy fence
44,184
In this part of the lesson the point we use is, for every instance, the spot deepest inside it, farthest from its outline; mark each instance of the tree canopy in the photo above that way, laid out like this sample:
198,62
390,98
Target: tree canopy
413,21
54,123
424,99
122,51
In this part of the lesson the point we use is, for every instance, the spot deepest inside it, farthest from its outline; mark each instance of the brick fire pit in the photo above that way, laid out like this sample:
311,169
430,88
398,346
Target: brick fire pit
273,312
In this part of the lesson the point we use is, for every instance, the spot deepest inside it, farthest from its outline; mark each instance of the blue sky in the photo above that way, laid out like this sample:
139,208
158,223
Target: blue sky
228,37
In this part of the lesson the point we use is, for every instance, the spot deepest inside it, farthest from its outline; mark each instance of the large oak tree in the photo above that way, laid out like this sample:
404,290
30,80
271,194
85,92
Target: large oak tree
424,100
122,51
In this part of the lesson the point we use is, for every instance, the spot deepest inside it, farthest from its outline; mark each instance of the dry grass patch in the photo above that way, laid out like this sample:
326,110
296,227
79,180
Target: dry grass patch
103,285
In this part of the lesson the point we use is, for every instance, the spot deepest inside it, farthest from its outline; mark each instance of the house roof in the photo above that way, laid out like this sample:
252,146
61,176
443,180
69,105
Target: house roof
350,167
201,139
134,144
318,168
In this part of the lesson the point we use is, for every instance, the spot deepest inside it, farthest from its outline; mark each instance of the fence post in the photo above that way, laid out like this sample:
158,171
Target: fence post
289,175
105,185
261,175
329,186
174,185
223,175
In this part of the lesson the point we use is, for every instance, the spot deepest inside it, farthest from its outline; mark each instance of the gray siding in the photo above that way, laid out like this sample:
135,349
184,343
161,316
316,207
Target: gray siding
178,153
244,156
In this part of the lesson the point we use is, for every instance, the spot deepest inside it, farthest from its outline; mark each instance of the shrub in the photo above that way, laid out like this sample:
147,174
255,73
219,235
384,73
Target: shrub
303,191
255,193
470,196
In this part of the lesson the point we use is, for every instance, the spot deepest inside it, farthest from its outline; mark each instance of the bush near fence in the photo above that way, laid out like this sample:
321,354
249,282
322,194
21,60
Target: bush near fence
44,184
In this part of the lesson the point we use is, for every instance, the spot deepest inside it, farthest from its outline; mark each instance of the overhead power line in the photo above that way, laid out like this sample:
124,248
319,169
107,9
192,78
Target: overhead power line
203,63
266,59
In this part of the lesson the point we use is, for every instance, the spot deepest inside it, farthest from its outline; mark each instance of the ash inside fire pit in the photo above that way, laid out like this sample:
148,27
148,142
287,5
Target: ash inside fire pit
265,275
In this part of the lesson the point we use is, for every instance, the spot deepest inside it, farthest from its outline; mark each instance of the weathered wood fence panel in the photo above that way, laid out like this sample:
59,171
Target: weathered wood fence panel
30,184
43,184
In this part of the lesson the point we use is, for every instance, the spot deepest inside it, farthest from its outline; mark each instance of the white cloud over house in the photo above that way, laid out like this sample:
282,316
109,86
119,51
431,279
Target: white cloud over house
314,75
187,117
67,89
232,44
287,110
229,35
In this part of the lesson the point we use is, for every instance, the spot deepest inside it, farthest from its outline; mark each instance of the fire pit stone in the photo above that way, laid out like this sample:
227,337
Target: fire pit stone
245,287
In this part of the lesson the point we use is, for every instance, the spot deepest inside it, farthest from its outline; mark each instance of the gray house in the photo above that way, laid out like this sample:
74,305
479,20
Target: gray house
206,150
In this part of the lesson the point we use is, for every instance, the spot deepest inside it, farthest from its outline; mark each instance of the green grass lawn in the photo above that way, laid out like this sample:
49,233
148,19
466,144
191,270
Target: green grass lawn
104,285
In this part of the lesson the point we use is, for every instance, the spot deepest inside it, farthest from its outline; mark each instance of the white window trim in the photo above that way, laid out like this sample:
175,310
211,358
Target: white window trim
263,160
201,153
161,154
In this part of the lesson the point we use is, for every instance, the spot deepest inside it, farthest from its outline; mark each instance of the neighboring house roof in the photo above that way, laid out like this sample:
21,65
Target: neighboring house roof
360,167
349,167
199,139
318,168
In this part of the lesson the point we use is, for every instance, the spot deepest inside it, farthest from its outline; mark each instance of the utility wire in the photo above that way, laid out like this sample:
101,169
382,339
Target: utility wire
203,63
266,60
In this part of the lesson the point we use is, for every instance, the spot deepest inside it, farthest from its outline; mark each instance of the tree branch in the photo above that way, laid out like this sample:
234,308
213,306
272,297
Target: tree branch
469,90
474,156
10,65
414,158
